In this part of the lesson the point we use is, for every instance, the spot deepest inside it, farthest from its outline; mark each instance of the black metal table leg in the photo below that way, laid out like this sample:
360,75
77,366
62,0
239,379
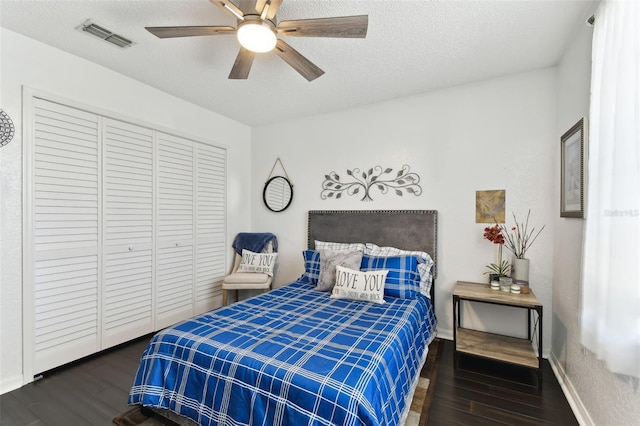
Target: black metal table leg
456,323
539,311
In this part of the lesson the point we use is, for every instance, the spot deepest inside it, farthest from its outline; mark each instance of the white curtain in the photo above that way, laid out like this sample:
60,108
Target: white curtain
611,258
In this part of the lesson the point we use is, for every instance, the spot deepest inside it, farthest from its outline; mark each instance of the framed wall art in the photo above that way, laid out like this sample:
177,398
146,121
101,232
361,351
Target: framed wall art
572,171
490,206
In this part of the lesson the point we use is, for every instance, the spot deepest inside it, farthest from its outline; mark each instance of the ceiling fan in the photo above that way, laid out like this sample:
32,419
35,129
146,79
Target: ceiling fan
257,32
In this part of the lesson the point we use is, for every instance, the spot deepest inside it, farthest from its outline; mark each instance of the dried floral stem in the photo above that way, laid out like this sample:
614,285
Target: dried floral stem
520,239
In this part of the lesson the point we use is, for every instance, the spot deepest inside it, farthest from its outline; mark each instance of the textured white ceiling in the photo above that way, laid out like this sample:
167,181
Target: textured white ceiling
412,46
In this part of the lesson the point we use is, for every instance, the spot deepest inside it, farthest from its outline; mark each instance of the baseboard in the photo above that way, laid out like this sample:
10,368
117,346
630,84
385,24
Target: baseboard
446,335
12,383
578,408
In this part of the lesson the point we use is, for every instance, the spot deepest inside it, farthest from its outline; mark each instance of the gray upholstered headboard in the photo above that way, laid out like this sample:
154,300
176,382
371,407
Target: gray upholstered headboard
404,229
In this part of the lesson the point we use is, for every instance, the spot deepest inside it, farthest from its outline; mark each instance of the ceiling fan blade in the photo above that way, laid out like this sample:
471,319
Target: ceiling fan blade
246,6
341,26
242,65
170,32
298,62
229,7
274,5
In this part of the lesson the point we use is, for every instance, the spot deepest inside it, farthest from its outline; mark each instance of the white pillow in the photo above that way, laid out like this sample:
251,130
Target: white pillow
257,262
424,267
330,245
359,285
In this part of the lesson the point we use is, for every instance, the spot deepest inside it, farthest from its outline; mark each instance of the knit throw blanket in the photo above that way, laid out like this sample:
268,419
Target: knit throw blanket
254,241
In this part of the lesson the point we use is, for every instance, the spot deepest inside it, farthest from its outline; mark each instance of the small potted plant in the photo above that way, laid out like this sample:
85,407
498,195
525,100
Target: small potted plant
501,268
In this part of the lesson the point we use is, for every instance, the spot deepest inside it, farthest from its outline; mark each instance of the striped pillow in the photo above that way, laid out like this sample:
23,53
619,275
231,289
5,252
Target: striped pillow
330,245
403,279
425,263
311,267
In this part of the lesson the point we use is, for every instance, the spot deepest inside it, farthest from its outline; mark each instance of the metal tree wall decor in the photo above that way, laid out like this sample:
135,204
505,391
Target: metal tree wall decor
362,183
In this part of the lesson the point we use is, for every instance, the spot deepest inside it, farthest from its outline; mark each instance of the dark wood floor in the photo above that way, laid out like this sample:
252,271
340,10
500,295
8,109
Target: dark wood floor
93,391
89,392
483,392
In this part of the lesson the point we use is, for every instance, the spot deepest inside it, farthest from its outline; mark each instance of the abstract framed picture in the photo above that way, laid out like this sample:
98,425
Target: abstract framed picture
572,171
490,206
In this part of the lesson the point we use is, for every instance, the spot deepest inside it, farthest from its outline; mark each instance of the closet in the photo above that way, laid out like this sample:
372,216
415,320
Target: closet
124,231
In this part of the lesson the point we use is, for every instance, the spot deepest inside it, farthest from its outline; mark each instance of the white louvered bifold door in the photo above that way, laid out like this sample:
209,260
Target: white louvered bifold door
127,285
65,223
175,229
125,231
210,226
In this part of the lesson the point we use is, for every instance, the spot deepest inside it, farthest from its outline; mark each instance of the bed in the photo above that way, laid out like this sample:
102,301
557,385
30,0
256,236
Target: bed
295,355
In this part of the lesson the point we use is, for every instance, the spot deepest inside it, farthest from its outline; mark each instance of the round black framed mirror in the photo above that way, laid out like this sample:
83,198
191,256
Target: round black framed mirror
277,194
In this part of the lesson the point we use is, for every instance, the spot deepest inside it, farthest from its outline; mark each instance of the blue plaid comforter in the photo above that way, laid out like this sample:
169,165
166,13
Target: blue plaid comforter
289,357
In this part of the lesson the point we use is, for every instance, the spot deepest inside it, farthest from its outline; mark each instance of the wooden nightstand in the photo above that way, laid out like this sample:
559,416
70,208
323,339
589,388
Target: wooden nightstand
513,350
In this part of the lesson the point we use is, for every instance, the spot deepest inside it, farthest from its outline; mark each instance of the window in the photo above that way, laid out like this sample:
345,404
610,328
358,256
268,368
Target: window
611,258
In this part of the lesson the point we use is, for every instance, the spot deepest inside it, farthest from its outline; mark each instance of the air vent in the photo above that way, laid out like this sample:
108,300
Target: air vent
105,34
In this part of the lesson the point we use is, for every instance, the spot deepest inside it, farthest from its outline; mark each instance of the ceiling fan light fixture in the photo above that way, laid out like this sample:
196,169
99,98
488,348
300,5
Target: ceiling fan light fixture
257,35
257,32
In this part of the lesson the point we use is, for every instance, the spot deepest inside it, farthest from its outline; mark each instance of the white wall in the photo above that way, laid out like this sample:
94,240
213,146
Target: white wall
600,397
497,134
25,62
